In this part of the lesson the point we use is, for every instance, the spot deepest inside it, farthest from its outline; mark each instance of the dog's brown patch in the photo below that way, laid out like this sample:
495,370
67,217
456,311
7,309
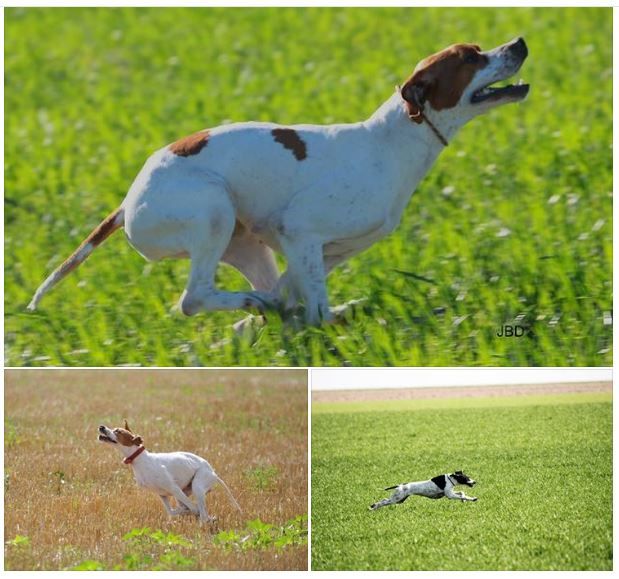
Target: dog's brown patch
441,78
105,229
127,438
110,224
190,145
290,139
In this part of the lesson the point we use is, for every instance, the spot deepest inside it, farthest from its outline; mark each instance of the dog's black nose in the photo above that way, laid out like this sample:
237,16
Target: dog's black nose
102,427
519,47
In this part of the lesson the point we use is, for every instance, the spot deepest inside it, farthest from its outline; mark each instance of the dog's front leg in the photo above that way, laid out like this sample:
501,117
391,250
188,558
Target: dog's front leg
306,277
172,512
177,492
166,504
458,496
287,293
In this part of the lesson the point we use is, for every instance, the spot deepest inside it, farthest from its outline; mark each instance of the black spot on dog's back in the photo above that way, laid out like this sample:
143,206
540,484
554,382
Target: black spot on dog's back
291,140
440,481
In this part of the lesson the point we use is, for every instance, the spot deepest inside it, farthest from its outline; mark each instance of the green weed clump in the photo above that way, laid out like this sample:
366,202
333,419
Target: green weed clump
260,535
148,550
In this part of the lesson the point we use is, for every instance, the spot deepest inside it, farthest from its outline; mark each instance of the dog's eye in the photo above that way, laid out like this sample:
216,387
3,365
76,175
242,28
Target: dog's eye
471,58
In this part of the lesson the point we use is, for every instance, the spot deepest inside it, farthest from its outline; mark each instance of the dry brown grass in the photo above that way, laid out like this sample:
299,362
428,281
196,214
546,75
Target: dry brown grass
240,421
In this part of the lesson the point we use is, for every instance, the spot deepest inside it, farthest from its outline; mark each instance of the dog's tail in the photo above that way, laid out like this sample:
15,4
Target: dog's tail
110,224
390,488
232,499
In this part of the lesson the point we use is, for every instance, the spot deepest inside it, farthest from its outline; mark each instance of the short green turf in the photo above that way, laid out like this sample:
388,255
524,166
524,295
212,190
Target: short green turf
544,477
512,226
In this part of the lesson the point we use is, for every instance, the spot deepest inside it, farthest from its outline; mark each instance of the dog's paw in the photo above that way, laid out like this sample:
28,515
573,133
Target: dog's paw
175,310
261,302
248,325
345,313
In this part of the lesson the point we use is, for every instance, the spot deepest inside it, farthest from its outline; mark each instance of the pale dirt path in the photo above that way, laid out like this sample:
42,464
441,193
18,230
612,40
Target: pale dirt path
459,392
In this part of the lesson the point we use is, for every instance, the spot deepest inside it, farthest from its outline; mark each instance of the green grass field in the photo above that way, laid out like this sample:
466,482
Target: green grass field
513,224
544,477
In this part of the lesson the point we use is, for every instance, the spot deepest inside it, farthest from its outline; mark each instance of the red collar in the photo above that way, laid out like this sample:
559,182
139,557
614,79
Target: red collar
130,459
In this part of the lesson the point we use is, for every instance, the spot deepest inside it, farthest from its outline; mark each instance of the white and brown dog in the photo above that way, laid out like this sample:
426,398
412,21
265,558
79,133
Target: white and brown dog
169,474
435,488
317,194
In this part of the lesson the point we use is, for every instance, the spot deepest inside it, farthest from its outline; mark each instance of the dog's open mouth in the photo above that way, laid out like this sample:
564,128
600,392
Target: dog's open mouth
493,93
104,438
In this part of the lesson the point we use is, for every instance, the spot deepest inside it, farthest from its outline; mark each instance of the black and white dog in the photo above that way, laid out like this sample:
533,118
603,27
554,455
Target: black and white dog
436,488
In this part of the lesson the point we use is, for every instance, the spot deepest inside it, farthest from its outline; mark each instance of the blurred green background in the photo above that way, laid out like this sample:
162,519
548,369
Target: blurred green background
512,226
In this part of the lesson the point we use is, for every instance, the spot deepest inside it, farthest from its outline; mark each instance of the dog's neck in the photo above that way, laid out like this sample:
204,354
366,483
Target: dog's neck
131,453
393,115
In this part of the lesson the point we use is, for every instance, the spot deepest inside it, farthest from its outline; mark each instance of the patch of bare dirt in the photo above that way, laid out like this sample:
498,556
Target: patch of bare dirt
459,392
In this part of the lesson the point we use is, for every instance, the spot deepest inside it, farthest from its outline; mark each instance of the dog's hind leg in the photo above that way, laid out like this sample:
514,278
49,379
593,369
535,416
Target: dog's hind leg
398,496
208,238
202,483
194,218
380,504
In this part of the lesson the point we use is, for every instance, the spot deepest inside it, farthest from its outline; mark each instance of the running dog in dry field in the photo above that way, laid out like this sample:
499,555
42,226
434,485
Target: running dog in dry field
317,194
169,474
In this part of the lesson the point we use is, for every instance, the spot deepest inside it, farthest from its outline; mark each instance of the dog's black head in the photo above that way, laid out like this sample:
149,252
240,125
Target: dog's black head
462,479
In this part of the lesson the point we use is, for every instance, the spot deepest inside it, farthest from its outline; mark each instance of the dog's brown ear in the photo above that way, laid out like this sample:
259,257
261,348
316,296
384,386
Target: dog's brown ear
127,426
414,92
137,440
